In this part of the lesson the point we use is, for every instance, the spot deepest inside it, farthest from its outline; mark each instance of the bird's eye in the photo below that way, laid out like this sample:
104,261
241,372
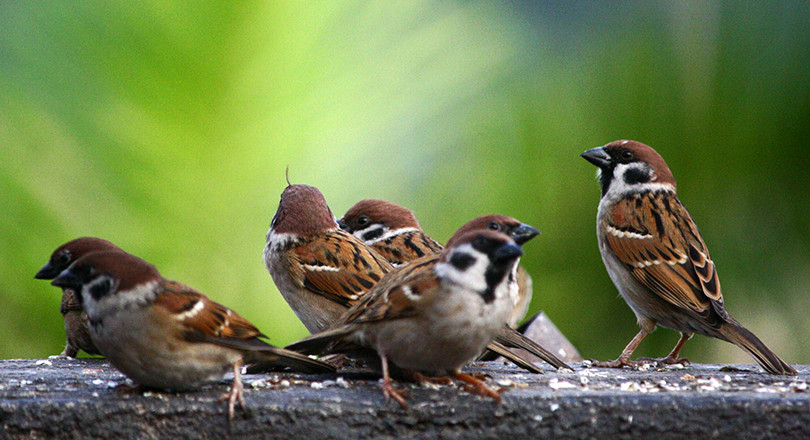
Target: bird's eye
362,220
495,226
64,258
627,154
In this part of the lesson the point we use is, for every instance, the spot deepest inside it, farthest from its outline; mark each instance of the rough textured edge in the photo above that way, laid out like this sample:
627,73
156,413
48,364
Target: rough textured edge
75,399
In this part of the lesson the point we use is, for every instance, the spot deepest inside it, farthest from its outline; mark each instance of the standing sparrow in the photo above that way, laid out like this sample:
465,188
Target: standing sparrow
77,335
433,315
163,334
657,259
319,269
393,231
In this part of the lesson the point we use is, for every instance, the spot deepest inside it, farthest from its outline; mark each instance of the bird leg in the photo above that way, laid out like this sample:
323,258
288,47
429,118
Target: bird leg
235,393
477,386
624,359
673,356
388,387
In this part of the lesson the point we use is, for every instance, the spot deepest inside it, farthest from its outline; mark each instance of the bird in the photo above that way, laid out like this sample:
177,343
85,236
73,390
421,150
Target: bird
163,334
394,232
77,334
656,257
318,268
390,229
433,315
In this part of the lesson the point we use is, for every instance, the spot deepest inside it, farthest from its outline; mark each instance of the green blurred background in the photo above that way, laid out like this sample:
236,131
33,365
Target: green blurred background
166,128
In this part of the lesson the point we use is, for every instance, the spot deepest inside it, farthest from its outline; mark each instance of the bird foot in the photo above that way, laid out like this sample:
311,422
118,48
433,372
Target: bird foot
477,386
392,393
669,360
233,396
435,380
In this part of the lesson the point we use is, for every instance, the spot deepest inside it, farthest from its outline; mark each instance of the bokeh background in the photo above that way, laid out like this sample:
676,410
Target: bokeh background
166,127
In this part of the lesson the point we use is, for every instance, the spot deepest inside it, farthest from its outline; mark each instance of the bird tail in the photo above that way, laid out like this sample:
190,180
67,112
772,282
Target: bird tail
293,360
743,338
512,338
265,357
327,341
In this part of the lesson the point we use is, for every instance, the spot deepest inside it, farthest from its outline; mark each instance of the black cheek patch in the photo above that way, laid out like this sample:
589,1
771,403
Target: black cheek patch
636,175
462,261
102,289
372,234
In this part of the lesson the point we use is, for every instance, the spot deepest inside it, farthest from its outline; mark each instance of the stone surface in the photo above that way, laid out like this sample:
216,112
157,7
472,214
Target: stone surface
60,398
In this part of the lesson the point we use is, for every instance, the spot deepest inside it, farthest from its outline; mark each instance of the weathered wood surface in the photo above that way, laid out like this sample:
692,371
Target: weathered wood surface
61,398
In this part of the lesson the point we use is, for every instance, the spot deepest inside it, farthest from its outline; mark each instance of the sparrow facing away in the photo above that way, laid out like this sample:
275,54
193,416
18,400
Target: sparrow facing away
77,334
163,334
433,315
655,256
393,231
319,269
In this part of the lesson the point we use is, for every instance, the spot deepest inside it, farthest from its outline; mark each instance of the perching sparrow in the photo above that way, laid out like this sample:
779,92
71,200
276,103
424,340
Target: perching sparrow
656,257
390,229
77,335
433,315
163,334
393,231
319,269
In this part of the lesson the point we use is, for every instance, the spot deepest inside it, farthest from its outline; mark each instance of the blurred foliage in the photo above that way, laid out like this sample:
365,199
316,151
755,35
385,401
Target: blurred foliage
166,128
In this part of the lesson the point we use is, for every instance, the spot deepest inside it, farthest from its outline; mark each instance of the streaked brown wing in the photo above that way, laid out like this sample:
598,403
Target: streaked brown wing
654,235
397,295
407,246
201,317
340,267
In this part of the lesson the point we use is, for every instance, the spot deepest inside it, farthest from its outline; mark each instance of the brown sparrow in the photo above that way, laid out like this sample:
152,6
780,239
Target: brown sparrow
77,335
390,229
433,315
393,231
319,269
657,259
163,334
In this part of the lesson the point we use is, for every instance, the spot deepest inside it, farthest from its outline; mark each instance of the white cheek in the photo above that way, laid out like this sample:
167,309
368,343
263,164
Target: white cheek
473,277
118,300
277,242
619,188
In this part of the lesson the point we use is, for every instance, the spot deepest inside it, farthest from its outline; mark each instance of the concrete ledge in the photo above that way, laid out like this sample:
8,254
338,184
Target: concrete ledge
70,398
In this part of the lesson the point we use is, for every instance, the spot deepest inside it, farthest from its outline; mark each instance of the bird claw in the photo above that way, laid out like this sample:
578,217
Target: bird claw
392,393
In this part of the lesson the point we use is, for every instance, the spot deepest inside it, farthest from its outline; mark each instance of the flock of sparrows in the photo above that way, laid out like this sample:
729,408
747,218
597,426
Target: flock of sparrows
373,287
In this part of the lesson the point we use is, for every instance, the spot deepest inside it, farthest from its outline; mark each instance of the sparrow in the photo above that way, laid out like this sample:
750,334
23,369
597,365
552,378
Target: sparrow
393,231
656,257
163,334
318,268
77,334
434,315
390,229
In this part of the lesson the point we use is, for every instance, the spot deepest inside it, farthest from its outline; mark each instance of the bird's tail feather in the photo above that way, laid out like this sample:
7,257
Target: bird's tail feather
743,338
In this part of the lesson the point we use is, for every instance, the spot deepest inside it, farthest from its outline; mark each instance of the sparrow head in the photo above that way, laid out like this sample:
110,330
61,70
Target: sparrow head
630,166
479,260
520,232
302,211
71,251
371,218
103,274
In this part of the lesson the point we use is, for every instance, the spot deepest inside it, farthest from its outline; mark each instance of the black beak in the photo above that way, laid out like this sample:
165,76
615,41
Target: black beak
597,156
48,272
524,233
507,253
342,224
67,280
